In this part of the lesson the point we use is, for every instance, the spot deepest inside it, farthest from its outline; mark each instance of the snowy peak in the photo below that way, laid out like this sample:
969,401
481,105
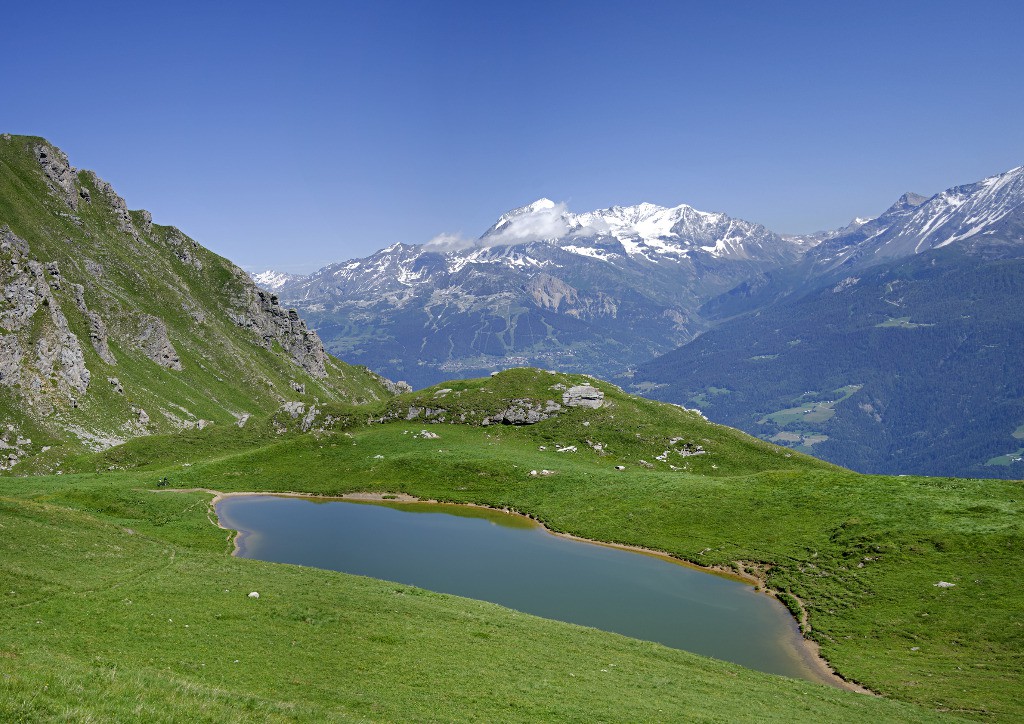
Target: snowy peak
643,230
989,210
272,280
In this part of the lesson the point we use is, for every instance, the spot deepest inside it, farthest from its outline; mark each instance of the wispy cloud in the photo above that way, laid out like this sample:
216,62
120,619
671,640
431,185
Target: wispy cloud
538,224
449,242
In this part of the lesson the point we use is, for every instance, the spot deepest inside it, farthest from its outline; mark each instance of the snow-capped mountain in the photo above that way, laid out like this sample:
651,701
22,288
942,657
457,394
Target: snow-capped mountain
989,210
598,290
907,326
271,280
986,217
643,231
605,290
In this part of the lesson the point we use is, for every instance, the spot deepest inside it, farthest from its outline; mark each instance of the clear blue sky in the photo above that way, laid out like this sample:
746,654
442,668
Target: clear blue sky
294,134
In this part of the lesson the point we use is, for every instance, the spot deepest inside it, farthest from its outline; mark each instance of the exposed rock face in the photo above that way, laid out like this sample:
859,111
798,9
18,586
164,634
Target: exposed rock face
11,355
293,408
120,208
97,328
147,221
184,248
59,352
154,342
98,336
55,351
307,421
265,316
11,243
583,396
59,173
549,292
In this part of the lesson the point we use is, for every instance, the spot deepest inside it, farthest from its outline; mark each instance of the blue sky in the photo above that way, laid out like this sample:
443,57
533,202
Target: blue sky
295,134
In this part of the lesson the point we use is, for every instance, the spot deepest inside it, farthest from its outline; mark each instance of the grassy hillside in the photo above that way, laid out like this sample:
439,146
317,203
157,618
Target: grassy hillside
859,554
106,315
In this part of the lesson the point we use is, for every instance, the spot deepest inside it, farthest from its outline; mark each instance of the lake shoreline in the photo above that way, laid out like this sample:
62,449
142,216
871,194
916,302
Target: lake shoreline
810,651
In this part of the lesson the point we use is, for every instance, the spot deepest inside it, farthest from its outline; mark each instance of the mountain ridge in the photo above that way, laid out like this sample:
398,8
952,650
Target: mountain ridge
112,326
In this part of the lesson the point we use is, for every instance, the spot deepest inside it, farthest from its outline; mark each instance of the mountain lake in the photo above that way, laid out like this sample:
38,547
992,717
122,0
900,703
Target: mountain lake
513,561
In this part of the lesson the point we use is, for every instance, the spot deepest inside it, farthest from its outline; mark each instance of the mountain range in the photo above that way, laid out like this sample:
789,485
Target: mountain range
692,307
597,292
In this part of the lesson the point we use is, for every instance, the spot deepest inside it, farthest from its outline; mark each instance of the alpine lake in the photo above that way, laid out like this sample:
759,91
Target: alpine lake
513,561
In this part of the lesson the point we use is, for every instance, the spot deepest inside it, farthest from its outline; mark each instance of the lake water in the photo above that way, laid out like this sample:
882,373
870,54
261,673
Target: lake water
512,561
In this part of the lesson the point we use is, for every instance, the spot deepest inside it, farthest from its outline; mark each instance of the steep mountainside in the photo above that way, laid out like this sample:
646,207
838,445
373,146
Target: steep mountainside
894,347
597,291
112,326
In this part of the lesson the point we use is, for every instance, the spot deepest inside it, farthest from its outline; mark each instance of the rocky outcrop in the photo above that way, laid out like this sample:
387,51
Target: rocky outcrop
98,336
11,355
294,409
35,352
58,352
272,323
395,388
184,248
59,174
117,204
97,327
524,412
583,396
153,341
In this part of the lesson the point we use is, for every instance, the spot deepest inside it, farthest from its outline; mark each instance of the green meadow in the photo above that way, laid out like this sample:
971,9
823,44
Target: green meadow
121,600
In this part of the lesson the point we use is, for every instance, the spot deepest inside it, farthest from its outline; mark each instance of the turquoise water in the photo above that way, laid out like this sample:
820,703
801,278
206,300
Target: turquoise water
509,560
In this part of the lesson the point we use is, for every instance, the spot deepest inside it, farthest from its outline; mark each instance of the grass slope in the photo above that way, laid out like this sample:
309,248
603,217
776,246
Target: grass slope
160,272
862,553
118,625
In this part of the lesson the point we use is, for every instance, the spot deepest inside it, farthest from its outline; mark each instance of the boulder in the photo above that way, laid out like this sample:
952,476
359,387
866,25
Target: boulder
583,396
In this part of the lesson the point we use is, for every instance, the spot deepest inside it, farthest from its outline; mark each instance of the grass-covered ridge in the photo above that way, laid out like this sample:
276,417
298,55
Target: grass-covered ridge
861,554
73,252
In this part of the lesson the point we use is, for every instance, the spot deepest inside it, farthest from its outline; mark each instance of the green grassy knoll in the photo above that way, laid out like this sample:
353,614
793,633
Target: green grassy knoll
862,553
